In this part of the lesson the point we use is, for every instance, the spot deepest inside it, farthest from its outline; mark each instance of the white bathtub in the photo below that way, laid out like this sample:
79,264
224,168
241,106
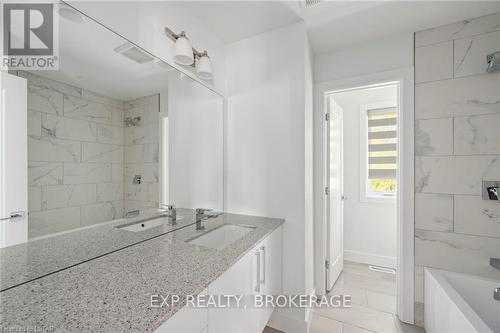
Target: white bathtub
457,302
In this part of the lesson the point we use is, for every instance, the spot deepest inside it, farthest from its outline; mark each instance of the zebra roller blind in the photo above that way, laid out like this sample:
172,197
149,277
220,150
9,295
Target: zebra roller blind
382,143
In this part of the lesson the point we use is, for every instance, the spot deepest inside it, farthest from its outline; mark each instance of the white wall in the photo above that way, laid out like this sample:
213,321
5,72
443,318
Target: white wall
370,229
388,54
143,23
268,143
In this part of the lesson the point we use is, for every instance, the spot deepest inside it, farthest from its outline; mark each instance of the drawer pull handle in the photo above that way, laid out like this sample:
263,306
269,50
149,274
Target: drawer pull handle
257,272
263,264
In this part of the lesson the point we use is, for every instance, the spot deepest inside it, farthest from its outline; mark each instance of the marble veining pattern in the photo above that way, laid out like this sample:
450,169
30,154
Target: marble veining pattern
470,53
434,62
42,149
465,28
141,154
97,295
455,229
61,196
44,100
67,128
454,174
87,110
101,153
434,211
80,133
477,135
485,214
465,96
434,137
45,173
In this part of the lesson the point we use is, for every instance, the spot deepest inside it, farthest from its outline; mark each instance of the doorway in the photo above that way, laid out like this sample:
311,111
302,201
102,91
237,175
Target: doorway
381,177
361,200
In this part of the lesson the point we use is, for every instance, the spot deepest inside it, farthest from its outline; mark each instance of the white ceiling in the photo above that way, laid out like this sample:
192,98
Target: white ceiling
333,25
232,21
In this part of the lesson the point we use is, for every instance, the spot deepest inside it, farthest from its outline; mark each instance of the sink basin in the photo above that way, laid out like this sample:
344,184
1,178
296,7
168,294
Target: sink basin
146,224
222,236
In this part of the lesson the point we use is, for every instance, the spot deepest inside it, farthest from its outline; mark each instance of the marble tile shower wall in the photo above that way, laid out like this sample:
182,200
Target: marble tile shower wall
142,154
457,145
75,153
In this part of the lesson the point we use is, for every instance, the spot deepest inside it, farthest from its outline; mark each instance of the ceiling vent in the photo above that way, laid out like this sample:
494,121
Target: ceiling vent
311,3
134,53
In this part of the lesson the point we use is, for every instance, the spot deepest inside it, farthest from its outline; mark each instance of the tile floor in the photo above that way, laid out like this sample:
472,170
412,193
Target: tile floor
373,305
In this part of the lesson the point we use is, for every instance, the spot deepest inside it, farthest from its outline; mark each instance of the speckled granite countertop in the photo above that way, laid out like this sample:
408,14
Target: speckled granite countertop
28,261
112,293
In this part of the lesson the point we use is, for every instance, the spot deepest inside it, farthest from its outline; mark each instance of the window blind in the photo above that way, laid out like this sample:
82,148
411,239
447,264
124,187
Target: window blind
382,143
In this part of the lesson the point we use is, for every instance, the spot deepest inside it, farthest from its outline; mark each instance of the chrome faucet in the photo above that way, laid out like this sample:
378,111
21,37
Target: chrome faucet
170,211
132,213
201,216
495,262
496,294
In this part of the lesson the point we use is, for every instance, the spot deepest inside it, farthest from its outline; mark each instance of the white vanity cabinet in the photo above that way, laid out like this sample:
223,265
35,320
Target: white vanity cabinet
187,320
258,272
270,271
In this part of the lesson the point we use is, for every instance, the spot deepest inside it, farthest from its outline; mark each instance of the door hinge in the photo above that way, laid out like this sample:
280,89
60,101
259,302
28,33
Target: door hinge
327,116
327,264
327,190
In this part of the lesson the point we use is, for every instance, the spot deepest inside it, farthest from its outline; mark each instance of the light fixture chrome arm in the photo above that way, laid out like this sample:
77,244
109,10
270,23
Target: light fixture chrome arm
185,54
173,37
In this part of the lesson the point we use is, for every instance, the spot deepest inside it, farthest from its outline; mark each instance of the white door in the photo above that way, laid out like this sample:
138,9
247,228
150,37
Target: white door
13,160
334,196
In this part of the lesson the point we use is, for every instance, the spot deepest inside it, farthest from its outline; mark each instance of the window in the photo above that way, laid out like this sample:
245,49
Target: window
379,152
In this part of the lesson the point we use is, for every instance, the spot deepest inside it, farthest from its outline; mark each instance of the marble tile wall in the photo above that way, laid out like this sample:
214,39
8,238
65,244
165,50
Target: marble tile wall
75,153
141,154
457,145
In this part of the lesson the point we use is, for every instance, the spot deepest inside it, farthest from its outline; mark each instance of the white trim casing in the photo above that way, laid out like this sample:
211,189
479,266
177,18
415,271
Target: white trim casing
405,196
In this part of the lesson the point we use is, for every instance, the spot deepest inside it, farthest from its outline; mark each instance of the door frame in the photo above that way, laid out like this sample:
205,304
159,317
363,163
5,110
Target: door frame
405,177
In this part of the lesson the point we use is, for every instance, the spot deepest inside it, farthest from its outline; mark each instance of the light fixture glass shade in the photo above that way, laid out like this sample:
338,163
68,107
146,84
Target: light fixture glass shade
204,68
183,52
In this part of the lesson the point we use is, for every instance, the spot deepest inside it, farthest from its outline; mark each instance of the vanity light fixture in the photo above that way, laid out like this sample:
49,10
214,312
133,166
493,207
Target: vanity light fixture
204,67
183,51
186,55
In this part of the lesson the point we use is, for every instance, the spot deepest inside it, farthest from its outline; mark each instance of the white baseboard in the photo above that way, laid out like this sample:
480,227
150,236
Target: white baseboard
370,258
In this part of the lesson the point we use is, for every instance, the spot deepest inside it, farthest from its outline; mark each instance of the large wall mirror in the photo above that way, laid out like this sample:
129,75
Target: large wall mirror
114,132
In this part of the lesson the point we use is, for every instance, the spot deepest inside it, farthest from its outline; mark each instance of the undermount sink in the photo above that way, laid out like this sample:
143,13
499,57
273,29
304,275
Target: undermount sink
222,236
147,223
